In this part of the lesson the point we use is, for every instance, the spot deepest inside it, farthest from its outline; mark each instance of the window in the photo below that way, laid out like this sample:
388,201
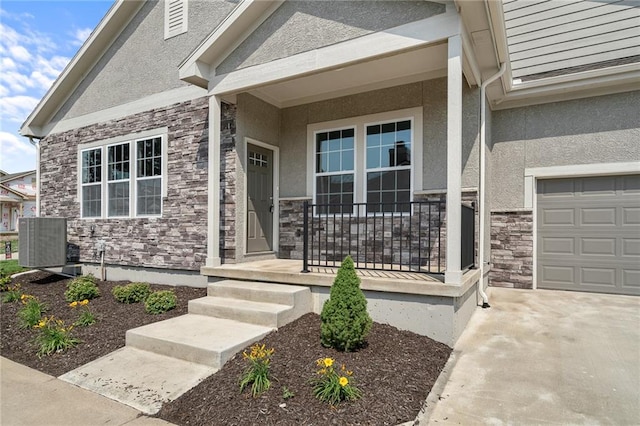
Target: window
388,167
370,160
123,179
335,170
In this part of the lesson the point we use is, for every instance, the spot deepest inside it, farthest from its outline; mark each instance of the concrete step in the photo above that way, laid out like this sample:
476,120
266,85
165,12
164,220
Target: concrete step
196,338
140,379
281,294
259,313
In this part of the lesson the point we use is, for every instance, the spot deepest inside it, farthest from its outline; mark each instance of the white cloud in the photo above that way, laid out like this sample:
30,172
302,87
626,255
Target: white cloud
81,35
17,108
16,151
20,53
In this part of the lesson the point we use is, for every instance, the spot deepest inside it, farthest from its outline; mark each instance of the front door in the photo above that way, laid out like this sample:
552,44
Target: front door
259,199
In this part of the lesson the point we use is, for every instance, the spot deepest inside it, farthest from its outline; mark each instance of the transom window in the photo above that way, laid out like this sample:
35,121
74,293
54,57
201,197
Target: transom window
367,162
123,179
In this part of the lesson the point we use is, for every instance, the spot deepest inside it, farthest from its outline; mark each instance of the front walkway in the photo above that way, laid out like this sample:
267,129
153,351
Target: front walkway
545,357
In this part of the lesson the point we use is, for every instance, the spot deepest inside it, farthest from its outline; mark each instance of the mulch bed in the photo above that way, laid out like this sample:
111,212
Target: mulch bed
107,335
395,371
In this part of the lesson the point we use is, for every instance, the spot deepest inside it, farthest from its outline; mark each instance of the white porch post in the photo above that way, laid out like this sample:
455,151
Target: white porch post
213,188
453,272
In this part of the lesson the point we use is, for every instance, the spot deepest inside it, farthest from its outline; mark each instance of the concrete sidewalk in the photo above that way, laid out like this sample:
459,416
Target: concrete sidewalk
544,357
31,398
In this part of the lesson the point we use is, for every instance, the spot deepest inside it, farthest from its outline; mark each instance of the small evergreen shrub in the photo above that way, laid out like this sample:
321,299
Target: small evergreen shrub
131,293
160,301
345,321
82,288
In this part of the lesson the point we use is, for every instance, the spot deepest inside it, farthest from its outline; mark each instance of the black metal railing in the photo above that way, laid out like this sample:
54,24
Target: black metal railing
382,236
468,237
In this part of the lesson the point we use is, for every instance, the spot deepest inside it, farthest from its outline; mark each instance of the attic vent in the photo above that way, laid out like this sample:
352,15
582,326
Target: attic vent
175,17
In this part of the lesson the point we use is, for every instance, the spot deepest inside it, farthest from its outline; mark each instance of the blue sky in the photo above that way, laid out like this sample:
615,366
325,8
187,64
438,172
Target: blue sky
37,40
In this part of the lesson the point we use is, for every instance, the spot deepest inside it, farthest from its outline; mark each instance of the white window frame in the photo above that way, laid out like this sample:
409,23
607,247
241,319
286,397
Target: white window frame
83,185
133,179
108,181
415,115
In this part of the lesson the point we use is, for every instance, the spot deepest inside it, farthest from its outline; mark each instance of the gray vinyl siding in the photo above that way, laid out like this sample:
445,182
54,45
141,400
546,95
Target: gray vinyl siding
140,62
602,129
548,36
300,26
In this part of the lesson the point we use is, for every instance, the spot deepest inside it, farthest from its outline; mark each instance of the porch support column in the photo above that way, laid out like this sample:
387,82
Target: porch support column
453,272
213,187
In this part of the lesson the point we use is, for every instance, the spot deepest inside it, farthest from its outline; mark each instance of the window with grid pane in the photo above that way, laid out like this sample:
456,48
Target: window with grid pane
118,176
92,183
149,177
388,166
334,170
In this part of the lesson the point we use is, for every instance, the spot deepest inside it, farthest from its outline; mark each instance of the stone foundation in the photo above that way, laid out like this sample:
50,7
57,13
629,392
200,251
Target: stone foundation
511,249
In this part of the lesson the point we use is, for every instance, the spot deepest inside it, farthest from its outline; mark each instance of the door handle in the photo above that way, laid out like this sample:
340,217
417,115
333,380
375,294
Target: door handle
271,208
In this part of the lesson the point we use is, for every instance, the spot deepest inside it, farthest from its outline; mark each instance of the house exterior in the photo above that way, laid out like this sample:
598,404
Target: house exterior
17,199
188,135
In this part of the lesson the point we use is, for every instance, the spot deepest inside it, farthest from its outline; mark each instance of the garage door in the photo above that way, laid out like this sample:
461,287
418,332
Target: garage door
588,234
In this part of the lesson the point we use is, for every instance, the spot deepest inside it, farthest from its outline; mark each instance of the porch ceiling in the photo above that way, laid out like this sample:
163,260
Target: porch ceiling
406,67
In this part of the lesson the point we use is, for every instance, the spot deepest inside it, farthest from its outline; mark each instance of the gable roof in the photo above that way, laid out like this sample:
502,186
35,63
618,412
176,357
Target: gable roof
11,176
16,195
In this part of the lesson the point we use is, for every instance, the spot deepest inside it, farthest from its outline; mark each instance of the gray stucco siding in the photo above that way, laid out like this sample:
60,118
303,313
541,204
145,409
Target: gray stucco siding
140,62
603,129
177,240
430,95
300,26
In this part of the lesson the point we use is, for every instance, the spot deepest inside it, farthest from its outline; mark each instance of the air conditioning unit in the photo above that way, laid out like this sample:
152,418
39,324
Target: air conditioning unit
43,242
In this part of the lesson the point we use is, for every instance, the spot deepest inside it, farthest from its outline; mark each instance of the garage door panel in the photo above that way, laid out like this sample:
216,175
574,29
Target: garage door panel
597,216
598,246
588,234
558,217
631,281
631,216
597,186
554,245
631,247
598,276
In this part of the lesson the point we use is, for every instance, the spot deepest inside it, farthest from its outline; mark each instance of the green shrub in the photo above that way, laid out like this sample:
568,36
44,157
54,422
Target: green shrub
344,317
31,314
131,293
82,288
160,301
5,283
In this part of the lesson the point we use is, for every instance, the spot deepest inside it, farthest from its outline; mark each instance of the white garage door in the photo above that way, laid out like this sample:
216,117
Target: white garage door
588,234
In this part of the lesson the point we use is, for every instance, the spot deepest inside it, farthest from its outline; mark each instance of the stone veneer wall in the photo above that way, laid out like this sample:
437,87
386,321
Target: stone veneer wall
178,239
511,249
228,187
291,234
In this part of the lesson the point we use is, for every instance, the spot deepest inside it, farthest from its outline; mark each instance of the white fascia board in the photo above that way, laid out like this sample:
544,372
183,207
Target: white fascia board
586,84
232,31
159,100
91,51
404,37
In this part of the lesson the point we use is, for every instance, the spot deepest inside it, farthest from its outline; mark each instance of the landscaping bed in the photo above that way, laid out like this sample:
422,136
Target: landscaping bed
394,371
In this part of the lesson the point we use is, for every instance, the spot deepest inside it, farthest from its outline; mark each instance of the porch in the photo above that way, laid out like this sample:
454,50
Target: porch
410,301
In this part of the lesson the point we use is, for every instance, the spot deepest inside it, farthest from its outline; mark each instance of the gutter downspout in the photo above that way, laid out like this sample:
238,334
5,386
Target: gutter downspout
483,150
37,146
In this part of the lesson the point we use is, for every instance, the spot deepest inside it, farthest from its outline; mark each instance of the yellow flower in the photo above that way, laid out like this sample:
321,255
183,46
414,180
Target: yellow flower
344,381
84,302
328,362
73,304
41,324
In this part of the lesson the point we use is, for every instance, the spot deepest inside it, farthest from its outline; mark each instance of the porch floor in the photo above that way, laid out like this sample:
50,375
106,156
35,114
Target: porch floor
287,271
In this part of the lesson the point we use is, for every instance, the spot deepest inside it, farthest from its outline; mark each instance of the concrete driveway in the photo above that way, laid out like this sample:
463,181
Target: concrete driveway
545,357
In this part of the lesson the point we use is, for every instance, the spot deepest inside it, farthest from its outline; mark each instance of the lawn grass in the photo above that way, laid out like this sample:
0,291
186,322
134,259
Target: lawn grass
10,267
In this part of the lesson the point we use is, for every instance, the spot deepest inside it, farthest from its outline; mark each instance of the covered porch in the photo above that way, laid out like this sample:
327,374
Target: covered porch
286,104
